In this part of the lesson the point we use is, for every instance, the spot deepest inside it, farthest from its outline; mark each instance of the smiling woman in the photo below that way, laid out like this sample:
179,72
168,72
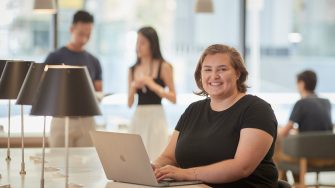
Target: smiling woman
227,139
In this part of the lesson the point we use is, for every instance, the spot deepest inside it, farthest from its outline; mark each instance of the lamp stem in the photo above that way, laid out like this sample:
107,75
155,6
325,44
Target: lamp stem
66,151
8,137
43,154
23,171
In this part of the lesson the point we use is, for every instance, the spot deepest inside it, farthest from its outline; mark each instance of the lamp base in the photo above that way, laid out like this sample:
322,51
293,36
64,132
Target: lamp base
58,175
8,158
51,169
73,185
37,159
69,185
23,171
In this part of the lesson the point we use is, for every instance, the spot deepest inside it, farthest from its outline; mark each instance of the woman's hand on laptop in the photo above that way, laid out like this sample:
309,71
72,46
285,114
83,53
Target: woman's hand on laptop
155,166
172,172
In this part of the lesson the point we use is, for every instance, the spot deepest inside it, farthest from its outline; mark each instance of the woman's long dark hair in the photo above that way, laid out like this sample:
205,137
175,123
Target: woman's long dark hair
151,34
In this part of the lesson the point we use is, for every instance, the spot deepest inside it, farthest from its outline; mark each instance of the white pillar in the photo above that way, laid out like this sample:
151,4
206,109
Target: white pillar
254,7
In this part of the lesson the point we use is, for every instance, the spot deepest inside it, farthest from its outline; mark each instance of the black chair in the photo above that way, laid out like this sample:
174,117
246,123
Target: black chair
283,184
305,147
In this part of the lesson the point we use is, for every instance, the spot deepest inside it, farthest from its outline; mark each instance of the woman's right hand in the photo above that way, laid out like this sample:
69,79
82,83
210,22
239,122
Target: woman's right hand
173,172
155,166
138,83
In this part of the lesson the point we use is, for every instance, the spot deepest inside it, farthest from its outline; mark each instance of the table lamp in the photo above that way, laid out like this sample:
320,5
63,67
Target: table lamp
2,66
10,84
26,96
65,91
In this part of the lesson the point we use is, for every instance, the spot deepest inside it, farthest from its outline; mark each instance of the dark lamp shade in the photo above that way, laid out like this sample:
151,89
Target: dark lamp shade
30,85
65,92
2,66
12,78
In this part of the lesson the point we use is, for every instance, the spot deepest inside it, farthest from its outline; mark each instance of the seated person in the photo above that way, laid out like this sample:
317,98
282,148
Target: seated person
310,113
227,139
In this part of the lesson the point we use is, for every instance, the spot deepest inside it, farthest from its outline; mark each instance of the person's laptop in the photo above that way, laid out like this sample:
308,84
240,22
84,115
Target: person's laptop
124,159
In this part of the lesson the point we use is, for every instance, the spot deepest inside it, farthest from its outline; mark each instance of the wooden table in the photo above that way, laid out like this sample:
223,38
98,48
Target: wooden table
84,169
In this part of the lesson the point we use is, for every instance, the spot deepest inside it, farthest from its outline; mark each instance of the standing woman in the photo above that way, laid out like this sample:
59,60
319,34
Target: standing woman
148,78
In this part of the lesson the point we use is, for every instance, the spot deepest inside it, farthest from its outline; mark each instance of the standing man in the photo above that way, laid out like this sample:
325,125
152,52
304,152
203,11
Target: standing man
74,53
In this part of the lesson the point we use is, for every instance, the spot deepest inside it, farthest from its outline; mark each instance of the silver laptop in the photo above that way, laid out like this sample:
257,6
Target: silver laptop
124,159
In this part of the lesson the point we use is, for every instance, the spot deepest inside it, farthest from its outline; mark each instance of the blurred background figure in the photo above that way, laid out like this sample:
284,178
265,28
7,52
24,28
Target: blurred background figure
74,53
148,78
310,113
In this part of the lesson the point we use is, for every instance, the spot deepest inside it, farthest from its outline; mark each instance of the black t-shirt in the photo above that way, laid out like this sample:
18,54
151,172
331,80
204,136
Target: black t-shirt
84,58
312,114
207,136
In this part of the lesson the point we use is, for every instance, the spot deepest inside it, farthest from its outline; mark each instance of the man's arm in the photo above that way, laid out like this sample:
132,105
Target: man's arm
98,85
284,131
98,77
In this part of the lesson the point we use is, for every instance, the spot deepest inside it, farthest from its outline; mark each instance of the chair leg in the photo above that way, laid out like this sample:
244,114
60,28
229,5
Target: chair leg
282,175
302,172
317,180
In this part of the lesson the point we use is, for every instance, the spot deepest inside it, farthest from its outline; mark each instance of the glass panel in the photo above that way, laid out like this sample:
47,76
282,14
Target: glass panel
183,35
293,36
23,35
284,38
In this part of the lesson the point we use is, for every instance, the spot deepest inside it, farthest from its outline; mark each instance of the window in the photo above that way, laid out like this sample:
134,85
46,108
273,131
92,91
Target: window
283,38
